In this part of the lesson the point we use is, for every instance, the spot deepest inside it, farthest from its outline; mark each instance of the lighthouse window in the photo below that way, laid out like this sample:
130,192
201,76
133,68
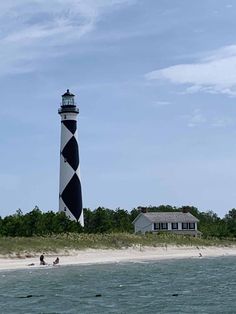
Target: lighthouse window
65,116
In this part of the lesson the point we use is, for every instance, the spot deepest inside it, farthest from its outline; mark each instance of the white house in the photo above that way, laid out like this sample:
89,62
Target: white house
173,222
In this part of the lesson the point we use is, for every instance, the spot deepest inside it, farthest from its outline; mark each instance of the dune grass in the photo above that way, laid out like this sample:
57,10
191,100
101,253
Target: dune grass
18,246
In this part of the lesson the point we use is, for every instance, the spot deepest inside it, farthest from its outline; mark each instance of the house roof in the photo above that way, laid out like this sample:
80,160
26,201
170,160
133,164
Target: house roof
168,217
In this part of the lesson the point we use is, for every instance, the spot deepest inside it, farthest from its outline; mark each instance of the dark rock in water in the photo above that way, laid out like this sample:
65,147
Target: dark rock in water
98,295
29,296
175,295
26,296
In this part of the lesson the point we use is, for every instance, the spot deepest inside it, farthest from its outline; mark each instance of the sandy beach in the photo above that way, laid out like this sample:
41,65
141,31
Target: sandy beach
135,254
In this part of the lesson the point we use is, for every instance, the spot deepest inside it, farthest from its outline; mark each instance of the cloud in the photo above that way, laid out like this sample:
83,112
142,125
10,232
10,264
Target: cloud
198,119
160,103
33,30
222,122
213,74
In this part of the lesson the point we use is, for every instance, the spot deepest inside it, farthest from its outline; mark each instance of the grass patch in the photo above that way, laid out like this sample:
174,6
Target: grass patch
18,246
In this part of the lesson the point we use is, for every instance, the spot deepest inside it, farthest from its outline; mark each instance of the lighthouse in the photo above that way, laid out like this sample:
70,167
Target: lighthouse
70,193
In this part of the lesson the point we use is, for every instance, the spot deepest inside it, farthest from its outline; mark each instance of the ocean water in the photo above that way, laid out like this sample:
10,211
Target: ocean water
198,285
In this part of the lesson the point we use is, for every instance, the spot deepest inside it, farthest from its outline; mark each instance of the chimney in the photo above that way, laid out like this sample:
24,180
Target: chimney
143,209
185,209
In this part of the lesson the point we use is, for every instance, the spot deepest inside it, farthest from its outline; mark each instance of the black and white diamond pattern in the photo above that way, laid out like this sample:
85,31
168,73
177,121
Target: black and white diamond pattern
70,200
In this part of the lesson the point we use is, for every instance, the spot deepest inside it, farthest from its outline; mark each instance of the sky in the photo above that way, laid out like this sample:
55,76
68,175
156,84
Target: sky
155,82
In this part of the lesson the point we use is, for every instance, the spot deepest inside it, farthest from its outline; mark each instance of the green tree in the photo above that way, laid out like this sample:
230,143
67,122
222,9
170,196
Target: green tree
230,220
121,221
102,220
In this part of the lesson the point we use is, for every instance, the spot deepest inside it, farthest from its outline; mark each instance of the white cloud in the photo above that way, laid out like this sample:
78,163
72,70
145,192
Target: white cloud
222,122
214,74
198,119
32,30
160,103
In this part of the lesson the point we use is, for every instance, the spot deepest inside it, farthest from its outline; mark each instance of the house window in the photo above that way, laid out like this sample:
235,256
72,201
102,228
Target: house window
164,226
156,226
160,226
192,225
174,225
184,225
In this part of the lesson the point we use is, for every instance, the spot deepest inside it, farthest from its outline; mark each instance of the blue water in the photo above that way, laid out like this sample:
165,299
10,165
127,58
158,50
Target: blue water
174,286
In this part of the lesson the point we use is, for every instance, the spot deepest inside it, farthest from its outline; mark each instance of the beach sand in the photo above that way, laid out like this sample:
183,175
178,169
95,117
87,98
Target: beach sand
95,256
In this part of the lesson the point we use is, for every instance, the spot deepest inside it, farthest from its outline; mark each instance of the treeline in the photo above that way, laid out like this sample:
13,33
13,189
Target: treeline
103,220
36,223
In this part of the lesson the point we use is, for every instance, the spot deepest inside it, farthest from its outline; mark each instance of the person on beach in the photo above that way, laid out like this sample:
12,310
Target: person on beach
42,261
56,261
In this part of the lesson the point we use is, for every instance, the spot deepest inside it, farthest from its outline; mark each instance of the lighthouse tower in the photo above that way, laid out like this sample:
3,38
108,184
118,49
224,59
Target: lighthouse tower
70,195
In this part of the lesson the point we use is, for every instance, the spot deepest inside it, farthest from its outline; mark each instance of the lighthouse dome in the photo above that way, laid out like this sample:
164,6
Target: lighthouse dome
68,103
68,94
